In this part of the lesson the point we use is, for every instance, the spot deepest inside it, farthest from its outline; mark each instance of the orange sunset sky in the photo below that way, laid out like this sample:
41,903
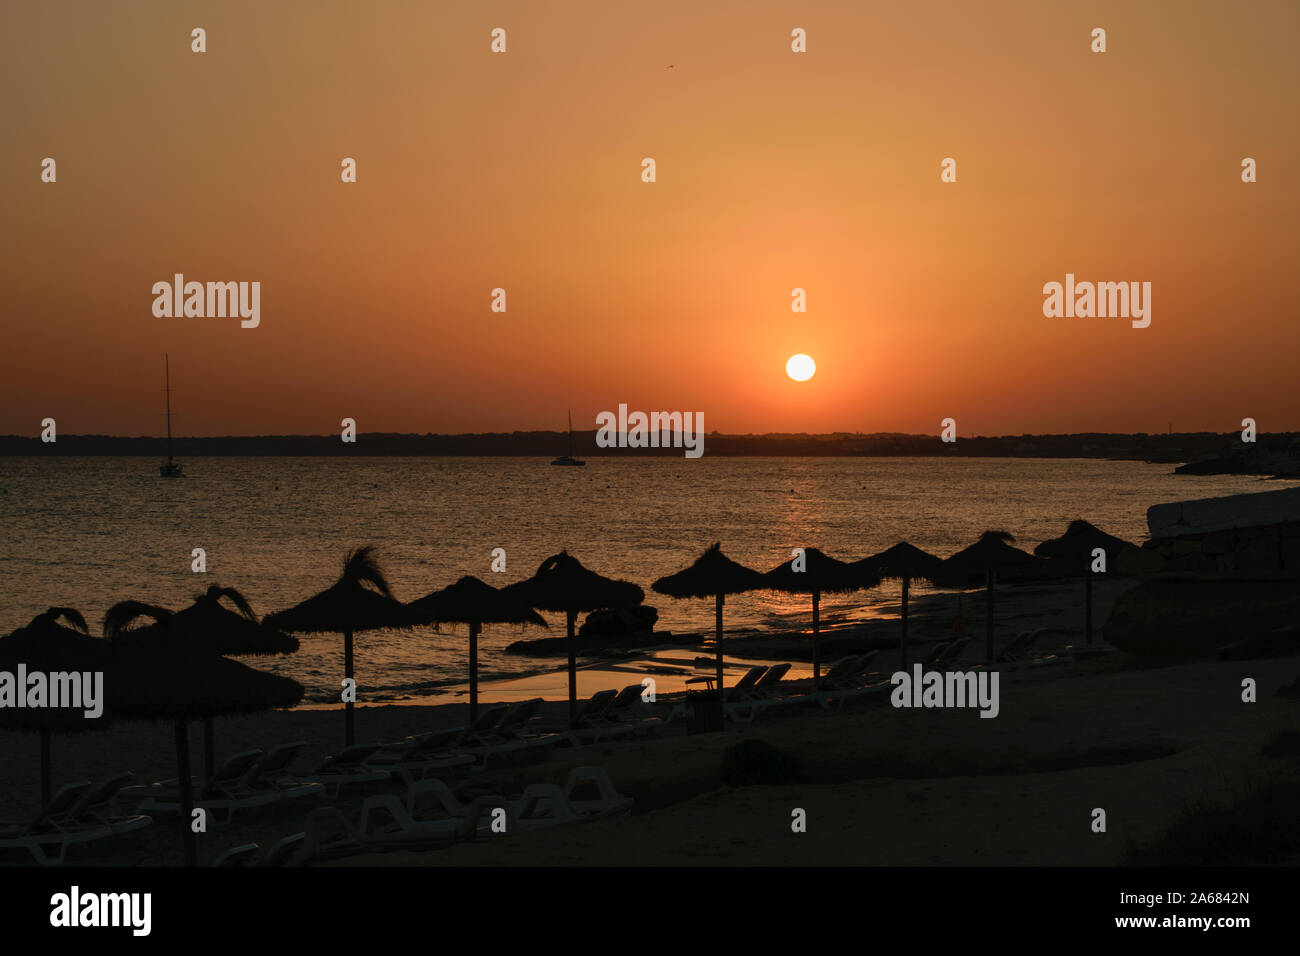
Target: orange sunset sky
775,170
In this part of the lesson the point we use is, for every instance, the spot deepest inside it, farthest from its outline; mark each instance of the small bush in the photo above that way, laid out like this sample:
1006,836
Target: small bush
756,762
1260,828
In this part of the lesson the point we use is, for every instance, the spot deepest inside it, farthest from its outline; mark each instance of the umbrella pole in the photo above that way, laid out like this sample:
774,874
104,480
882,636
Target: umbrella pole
349,730
46,774
187,793
209,748
904,645
473,672
817,660
988,617
717,640
1087,605
573,666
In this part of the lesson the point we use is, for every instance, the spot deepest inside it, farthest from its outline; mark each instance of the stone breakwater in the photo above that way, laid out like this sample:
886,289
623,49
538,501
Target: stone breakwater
1241,536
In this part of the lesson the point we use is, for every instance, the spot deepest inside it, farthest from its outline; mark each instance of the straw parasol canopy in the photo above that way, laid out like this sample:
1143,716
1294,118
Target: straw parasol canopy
54,641
1075,549
712,575
991,553
907,563
473,602
173,681
211,626
563,584
821,574
360,600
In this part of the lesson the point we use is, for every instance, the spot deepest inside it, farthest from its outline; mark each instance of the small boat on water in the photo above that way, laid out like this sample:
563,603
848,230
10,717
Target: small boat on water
171,468
569,459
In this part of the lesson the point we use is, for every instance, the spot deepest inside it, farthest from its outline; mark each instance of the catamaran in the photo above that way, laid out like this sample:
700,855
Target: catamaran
569,459
172,469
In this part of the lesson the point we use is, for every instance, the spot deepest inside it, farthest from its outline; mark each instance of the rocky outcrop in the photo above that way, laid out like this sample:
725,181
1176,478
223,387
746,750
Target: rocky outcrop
1239,536
1170,620
633,620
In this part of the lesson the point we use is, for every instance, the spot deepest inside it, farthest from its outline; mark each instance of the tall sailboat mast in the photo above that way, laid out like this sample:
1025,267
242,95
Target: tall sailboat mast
172,469
167,390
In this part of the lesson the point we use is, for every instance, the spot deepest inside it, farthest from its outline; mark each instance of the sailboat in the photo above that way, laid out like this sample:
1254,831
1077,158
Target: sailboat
569,459
172,469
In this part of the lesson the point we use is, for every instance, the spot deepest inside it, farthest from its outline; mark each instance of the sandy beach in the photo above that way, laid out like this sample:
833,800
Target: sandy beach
879,785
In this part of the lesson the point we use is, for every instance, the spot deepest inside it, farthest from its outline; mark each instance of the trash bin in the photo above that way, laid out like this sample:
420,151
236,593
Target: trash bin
706,713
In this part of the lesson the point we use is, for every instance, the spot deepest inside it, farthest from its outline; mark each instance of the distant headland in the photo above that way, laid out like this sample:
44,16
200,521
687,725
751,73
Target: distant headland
1276,454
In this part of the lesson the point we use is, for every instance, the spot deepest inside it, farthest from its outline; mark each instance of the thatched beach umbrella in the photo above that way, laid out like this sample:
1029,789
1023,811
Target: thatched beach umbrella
1075,550
209,625
820,574
991,553
175,682
712,575
348,606
473,602
906,562
48,646
563,584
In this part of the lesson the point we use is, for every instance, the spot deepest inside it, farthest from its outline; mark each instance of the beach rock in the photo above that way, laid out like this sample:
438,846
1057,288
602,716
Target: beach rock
1283,642
756,762
632,620
1139,562
1165,620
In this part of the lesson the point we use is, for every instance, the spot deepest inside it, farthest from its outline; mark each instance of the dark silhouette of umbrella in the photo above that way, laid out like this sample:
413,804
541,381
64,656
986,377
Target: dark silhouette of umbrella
346,607
563,584
991,553
173,681
48,646
209,625
906,562
1074,549
822,574
712,575
475,603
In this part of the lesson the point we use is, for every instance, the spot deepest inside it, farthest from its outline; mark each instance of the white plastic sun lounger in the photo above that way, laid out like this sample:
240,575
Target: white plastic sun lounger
271,773
243,855
49,835
225,794
95,807
546,805
347,768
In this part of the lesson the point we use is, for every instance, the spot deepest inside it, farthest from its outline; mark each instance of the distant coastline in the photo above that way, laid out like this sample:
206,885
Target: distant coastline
1208,452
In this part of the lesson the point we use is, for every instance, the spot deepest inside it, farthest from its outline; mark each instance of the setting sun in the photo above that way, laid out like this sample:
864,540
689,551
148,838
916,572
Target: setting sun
800,367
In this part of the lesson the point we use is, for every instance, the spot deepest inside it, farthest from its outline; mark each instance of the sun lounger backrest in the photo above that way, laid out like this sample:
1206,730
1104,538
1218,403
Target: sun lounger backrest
520,713
840,667
280,757
751,677
236,766
238,855
952,650
64,799
101,792
597,704
488,719
349,757
626,697
283,851
773,675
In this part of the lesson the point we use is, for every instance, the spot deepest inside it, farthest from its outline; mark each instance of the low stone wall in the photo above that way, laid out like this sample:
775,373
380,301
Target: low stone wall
1240,536
1266,551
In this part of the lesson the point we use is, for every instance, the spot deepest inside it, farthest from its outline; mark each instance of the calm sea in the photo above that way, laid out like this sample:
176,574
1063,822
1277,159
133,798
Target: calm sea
88,532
